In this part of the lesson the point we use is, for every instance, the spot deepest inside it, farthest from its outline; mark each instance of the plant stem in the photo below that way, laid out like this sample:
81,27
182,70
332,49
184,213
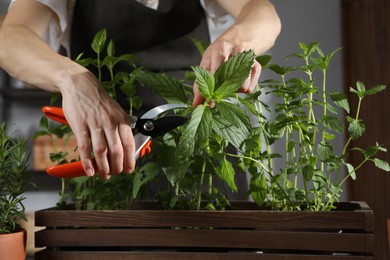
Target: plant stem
201,184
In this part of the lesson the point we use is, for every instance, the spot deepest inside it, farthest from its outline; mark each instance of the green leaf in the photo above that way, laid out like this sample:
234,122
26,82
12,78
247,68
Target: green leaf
234,115
333,123
232,74
375,90
340,99
187,140
205,127
258,188
145,174
280,70
356,128
308,172
325,151
383,165
99,40
201,46
232,134
163,85
351,171
44,123
205,81
360,86
111,48
226,173
263,60
128,89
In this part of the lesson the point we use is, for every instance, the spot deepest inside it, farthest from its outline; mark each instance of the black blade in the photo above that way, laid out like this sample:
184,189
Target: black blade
157,127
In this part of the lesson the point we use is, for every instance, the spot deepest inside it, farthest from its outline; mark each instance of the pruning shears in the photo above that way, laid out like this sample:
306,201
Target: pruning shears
148,126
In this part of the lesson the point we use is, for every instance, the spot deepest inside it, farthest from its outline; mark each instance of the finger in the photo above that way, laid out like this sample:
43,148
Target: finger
198,99
84,147
128,144
219,56
255,76
100,151
115,150
250,83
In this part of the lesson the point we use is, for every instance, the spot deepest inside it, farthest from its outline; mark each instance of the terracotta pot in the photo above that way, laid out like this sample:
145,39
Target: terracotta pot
13,245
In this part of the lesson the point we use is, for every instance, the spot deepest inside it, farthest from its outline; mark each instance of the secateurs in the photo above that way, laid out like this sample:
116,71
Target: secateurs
149,125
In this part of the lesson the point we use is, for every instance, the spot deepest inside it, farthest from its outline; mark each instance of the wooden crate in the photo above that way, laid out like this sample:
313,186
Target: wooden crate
240,233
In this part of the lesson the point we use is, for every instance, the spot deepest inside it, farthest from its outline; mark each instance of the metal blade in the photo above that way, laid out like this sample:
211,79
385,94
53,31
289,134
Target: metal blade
155,112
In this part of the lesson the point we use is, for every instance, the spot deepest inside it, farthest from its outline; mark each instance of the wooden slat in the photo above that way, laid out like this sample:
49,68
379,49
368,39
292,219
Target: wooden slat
283,240
264,220
43,255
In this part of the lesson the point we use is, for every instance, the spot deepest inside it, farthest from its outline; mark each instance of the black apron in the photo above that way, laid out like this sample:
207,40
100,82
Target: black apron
159,38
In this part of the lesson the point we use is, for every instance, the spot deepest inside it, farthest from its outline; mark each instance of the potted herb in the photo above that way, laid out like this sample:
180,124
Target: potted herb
13,182
296,209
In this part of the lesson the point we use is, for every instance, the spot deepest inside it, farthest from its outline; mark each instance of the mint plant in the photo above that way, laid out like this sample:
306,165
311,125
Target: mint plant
308,175
233,133
309,156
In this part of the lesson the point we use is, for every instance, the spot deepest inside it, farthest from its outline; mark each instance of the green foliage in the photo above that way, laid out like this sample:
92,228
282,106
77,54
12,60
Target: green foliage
14,179
232,134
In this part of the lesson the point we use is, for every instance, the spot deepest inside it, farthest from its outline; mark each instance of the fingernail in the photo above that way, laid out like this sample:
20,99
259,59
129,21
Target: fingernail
129,170
90,172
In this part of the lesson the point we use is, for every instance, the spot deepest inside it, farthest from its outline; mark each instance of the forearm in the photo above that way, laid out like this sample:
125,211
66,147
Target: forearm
26,57
257,23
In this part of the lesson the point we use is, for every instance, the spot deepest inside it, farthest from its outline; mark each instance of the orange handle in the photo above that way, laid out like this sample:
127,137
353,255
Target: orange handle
145,149
55,113
68,170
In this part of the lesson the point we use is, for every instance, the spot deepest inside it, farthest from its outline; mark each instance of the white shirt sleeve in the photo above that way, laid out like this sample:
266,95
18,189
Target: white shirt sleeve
58,33
218,20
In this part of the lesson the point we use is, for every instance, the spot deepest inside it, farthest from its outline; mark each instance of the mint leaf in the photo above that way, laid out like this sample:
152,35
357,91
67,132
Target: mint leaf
205,127
325,151
333,123
234,115
258,188
308,172
226,173
232,134
205,81
351,171
356,128
383,165
163,85
187,140
143,176
99,40
374,90
340,99
232,74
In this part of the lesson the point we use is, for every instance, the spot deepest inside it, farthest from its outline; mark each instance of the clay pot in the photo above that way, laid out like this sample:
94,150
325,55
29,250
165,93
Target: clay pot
13,245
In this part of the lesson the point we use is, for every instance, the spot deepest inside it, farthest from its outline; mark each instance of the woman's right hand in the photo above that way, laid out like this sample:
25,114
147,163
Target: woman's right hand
99,124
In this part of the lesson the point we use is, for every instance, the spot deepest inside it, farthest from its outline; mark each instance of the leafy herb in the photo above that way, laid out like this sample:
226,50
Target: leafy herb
14,179
232,134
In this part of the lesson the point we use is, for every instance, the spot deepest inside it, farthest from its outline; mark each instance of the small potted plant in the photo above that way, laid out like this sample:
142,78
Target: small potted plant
295,210
14,179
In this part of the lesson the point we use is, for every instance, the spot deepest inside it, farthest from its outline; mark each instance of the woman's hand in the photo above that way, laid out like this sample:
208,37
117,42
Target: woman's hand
219,52
256,28
100,126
